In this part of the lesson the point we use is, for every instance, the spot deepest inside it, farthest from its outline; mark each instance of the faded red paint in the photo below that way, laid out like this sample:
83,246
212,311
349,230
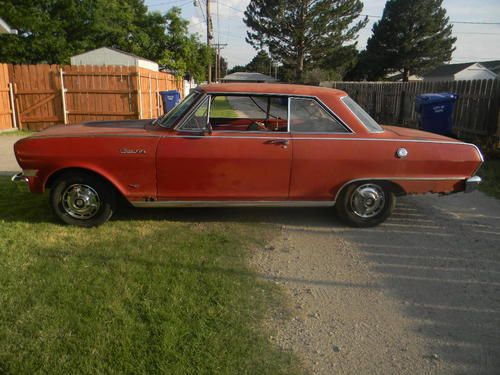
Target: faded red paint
243,166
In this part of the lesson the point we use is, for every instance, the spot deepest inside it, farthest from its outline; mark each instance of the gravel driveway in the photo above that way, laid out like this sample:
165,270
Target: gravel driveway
419,294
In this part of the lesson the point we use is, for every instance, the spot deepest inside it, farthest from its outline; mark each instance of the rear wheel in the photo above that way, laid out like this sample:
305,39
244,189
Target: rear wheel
82,199
365,204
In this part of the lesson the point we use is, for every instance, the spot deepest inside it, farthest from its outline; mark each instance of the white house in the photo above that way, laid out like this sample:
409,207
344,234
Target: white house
5,28
112,56
459,72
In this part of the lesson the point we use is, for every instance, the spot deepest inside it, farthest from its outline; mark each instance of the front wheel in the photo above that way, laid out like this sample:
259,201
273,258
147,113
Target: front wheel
82,199
365,204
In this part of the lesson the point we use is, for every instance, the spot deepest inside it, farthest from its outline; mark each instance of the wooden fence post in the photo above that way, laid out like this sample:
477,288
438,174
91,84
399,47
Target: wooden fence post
150,98
63,96
12,105
139,94
18,113
402,107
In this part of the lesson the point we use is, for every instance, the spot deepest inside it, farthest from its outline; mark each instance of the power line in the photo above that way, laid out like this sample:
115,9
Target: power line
171,3
374,16
459,22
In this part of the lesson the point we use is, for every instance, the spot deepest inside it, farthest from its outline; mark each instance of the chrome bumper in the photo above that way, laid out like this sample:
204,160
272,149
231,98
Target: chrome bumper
20,177
471,183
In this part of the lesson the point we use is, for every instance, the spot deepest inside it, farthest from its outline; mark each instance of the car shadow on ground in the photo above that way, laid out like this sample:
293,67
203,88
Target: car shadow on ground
443,264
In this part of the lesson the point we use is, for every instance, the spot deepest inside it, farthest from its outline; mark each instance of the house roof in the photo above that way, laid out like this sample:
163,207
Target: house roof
118,51
493,65
448,69
249,76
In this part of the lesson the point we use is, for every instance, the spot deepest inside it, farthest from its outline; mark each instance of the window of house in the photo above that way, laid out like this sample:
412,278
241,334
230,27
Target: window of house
308,116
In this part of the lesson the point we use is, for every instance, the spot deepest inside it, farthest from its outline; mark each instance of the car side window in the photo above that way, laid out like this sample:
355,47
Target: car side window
197,120
253,113
308,116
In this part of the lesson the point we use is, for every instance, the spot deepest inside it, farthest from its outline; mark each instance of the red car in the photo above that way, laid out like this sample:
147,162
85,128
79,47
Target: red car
244,145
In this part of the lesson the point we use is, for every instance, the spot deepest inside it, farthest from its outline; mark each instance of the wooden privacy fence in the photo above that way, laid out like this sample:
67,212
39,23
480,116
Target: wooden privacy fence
46,95
6,100
476,111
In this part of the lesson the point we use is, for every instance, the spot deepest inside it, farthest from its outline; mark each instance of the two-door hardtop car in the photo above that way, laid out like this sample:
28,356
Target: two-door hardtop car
244,145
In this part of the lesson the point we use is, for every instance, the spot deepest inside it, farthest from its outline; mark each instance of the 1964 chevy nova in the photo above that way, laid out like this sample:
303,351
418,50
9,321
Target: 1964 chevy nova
244,145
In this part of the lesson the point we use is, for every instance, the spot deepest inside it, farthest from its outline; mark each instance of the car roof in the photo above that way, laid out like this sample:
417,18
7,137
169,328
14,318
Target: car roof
272,88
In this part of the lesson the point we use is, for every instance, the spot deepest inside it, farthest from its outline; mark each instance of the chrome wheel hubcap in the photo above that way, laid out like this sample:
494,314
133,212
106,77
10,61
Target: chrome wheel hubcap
80,201
367,200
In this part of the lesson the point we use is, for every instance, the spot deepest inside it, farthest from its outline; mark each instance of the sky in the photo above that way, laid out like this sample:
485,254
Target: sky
475,42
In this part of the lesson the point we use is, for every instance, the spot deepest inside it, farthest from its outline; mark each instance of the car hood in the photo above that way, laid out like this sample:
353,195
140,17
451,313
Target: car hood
96,128
416,134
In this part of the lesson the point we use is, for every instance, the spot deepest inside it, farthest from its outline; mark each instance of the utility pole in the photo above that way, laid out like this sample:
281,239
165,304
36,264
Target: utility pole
218,47
209,41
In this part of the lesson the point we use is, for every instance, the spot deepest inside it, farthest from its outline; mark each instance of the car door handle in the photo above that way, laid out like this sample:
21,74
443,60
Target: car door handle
277,142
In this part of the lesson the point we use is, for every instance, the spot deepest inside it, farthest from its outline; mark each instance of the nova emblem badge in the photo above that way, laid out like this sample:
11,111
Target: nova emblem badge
131,151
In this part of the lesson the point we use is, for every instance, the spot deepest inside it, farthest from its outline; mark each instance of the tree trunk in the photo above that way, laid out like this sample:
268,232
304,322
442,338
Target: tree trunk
299,71
406,75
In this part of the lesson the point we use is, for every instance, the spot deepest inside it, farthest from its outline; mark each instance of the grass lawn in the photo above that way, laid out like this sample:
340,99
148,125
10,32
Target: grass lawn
490,172
222,108
139,295
19,133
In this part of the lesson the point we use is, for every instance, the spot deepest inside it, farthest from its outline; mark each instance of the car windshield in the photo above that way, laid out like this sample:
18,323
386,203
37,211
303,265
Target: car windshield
362,115
170,118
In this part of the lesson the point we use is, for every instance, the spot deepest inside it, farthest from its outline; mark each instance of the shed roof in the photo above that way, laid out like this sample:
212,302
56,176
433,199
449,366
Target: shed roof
117,51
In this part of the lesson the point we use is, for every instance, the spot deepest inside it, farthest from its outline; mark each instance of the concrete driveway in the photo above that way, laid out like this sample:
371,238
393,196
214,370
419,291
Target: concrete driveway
8,163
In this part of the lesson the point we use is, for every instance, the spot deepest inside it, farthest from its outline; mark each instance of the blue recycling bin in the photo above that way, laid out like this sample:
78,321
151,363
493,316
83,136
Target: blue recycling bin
170,99
435,112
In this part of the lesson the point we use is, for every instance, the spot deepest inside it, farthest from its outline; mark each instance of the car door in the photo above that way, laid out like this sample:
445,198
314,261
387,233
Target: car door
194,163
322,158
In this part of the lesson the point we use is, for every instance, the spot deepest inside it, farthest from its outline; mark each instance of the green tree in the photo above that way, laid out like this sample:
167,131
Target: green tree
184,53
237,68
302,33
261,63
413,36
53,31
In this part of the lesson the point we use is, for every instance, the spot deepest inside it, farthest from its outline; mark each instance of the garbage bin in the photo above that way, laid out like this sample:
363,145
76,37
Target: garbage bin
170,99
435,112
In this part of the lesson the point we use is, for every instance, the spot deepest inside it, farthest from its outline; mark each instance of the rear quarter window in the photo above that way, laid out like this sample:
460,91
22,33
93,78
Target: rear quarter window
362,115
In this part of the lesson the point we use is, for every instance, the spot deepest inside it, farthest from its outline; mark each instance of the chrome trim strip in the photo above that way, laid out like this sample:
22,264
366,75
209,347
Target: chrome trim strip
289,101
160,204
19,177
244,137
